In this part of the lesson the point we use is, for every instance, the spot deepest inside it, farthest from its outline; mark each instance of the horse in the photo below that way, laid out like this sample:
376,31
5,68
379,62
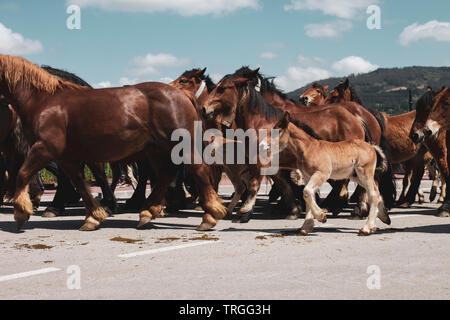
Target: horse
401,149
338,122
245,178
300,148
65,193
72,124
431,123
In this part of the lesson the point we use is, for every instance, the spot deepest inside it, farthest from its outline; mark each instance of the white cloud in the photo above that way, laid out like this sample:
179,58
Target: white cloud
439,31
268,55
103,84
216,77
346,9
354,65
183,7
328,30
310,69
297,77
124,81
166,80
16,44
150,64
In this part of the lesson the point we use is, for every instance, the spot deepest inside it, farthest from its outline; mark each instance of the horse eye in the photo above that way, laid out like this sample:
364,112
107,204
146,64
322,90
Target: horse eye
184,81
220,90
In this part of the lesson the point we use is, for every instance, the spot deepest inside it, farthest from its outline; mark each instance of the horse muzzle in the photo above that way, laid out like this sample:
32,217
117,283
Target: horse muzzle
416,137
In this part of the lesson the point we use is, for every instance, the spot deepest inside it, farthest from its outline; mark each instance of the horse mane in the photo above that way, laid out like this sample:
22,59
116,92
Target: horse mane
15,70
426,101
354,96
267,83
259,105
192,73
66,76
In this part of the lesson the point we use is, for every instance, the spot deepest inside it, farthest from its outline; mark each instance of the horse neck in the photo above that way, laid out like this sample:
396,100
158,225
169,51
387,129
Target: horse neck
21,98
300,139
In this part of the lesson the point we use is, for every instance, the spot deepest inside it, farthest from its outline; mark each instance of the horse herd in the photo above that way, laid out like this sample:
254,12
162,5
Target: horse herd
52,119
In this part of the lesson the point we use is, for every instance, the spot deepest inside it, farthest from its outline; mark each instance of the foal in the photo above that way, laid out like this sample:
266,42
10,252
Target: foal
320,161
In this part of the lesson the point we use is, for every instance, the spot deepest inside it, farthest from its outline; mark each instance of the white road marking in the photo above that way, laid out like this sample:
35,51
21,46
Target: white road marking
402,216
27,274
159,250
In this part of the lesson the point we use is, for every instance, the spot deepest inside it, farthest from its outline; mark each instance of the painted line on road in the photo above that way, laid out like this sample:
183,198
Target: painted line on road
159,250
27,274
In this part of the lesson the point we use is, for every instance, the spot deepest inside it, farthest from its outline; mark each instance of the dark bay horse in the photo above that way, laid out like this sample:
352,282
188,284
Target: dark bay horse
235,100
71,124
432,122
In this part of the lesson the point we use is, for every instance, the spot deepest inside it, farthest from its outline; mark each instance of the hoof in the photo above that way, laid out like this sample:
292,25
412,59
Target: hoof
303,232
206,226
322,218
364,232
49,214
198,208
89,226
20,224
443,214
292,217
404,205
246,217
308,227
384,217
143,221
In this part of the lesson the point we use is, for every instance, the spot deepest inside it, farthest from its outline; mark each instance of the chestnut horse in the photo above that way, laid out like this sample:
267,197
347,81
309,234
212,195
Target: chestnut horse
237,101
431,123
72,124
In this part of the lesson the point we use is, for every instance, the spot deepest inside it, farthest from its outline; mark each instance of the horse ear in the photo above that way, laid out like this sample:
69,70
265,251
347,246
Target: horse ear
284,122
325,89
253,73
347,83
200,73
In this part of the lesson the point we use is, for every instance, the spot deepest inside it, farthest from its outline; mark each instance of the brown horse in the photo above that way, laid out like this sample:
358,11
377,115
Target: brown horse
245,178
433,124
237,101
71,124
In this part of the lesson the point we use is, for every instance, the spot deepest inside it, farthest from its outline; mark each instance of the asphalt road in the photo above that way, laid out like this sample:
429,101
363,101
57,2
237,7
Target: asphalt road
264,259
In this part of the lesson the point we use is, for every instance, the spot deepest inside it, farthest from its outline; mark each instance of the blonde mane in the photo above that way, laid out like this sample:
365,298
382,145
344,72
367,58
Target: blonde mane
17,70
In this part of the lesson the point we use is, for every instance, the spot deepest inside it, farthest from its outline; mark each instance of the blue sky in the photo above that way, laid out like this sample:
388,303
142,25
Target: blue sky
145,40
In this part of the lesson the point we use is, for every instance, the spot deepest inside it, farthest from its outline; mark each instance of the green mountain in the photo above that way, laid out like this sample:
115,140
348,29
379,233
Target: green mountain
388,90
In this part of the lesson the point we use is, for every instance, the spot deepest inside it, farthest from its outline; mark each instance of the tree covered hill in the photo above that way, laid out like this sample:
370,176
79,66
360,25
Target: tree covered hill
387,90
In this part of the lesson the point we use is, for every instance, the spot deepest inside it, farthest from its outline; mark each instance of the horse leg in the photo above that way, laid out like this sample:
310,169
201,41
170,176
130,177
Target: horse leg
253,184
153,206
434,176
209,199
138,198
443,190
312,209
288,198
418,172
234,174
109,201
95,214
37,158
362,208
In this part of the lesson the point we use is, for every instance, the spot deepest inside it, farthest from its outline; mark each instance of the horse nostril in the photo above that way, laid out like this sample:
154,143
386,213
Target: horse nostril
415,137
427,132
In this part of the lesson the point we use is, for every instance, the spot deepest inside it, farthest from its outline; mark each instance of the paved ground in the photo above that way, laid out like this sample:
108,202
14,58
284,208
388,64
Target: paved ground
264,259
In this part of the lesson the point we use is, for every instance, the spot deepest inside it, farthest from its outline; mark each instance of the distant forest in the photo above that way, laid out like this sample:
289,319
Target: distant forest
388,90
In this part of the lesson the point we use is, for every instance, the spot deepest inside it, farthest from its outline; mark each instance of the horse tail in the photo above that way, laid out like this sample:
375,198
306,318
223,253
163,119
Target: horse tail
385,178
18,148
367,135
